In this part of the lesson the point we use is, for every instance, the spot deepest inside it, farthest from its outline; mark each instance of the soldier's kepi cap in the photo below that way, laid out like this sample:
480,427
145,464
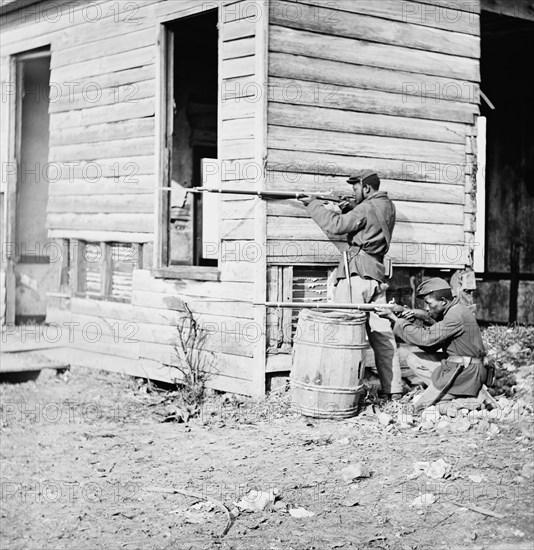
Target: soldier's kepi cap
430,285
367,177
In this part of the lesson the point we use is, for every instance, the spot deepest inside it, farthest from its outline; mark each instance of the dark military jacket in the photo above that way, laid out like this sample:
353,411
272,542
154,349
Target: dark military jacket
457,334
367,241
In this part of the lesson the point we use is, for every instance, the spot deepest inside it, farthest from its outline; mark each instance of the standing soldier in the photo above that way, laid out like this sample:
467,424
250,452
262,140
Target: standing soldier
368,222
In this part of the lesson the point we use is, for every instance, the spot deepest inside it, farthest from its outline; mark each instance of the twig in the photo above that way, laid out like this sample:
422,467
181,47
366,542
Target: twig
443,519
483,511
200,497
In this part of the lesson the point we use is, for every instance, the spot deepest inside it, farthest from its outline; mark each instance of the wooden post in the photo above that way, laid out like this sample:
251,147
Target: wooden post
260,223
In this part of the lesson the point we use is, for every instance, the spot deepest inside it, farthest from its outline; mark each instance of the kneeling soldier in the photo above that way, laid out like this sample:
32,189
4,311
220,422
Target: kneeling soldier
451,362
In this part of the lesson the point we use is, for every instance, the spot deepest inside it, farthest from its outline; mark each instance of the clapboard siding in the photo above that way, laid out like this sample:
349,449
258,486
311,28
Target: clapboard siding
287,228
407,211
397,190
323,46
94,94
361,84
359,26
125,129
301,92
102,150
341,73
331,165
141,203
413,12
129,184
345,143
108,46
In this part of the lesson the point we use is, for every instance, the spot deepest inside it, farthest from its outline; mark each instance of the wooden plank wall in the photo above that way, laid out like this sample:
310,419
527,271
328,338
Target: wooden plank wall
391,86
102,152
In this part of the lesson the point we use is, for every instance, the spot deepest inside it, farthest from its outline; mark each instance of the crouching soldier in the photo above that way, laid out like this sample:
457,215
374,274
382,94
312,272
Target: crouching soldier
451,360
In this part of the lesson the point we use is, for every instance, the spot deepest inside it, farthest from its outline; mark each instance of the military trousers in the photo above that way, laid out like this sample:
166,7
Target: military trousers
378,329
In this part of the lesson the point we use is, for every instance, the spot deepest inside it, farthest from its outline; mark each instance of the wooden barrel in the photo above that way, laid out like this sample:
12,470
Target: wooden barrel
328,363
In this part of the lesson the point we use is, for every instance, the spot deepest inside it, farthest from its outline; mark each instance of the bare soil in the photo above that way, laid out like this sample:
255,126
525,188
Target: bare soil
87,463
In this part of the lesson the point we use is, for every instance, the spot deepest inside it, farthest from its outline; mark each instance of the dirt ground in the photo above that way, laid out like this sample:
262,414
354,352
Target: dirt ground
87,463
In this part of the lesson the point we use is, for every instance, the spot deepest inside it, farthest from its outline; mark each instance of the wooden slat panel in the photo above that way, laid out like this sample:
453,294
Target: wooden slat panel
236,68
301,92
397,190
141,203
240,128
350,50
414,212
304,161
323,141
416,13
117,82
92,94
468,7
104,65
241,28
102,150
95,171
107,113
237,148
234,366
422,253
102,48
216,339
363,27
162,315
238,48
233,271
337,73
238,210
96,235
126,129
126,185
78,23
306,229
104,222
214,290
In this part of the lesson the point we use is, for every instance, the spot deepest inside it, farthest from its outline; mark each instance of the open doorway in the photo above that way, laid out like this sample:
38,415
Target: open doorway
507,290
34,276
191,133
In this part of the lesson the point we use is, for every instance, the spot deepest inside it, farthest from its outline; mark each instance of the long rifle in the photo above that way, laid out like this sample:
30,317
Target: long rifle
395,308
181,194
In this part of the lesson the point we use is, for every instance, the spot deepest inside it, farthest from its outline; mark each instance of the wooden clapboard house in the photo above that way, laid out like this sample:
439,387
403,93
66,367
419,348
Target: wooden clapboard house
107,106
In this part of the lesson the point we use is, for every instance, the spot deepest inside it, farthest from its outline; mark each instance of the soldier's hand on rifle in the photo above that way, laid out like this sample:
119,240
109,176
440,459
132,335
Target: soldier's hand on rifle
306,199
385,313
346,204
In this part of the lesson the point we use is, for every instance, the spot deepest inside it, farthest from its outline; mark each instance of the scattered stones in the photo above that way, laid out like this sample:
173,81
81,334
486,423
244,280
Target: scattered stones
256,501
424,500
528,470
355,471
438,469
384,418
300,513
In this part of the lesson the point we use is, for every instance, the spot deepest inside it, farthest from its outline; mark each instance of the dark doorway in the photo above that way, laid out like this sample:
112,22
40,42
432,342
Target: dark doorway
193,132
507,44
34,276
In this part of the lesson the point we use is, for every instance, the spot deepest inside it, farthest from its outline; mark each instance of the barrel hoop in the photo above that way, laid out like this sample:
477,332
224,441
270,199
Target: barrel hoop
318,413
325,345
324,389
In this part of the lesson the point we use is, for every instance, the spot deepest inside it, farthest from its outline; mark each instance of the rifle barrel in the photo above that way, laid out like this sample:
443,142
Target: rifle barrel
326,305
264,194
